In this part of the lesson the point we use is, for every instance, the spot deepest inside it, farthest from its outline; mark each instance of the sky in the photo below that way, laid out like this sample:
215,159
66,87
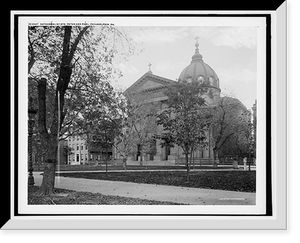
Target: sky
231,51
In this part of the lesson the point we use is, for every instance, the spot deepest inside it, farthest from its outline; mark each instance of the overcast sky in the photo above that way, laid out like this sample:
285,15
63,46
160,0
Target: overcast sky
230,51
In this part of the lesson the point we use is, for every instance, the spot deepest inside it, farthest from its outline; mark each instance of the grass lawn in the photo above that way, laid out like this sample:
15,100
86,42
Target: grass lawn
68,197
244,181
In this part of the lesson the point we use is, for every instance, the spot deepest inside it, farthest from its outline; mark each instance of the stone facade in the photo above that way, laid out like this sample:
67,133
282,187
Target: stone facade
151,88
81,153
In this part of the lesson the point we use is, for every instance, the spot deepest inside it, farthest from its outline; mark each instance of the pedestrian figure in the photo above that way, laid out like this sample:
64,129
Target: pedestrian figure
245,163
235,164
124,163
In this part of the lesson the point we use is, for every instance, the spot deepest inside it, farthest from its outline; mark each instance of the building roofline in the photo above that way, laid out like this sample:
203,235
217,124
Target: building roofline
162,80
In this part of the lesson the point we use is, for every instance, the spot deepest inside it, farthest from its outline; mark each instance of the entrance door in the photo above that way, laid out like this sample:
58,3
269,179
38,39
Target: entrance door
152,149
166,152
138,154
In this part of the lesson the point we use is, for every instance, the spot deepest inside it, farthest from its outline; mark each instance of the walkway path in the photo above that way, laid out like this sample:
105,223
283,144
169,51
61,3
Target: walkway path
175,194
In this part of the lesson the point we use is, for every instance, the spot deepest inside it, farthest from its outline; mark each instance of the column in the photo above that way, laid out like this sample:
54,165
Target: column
206,153
173,153
172,159
79,151
157,156
130,158
209,143
163,153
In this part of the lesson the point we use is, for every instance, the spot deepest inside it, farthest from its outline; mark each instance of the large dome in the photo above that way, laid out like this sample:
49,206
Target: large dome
199,71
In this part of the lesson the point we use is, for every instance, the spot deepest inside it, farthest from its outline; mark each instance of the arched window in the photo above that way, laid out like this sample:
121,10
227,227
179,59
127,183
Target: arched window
211,81
189,80
200,79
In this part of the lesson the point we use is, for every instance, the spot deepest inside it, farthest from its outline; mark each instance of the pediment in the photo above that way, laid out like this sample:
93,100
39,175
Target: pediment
148,82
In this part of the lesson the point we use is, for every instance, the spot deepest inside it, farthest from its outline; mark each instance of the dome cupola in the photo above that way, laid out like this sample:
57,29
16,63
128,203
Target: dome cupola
199,71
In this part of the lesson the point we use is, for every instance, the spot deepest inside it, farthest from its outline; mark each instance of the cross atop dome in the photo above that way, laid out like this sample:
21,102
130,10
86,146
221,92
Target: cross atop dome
197,55
197,44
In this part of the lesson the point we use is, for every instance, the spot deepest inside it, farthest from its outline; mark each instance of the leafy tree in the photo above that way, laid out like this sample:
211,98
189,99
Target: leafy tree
50,138
124,141
69,69
246,138
102,126
103,137
67,151
229,124
141,120
184,119
138,126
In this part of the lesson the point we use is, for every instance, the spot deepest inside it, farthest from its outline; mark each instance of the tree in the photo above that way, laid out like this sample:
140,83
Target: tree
141,120
246,138
229,119
242,143
124,141
108,130
65,72
66,152
72,67
184,120
104,134
138,126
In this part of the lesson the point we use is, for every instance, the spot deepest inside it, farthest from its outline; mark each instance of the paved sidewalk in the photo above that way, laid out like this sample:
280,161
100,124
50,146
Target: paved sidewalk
175,194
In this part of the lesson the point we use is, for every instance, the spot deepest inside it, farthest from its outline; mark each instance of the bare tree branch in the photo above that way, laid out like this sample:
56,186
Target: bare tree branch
32,55
74,46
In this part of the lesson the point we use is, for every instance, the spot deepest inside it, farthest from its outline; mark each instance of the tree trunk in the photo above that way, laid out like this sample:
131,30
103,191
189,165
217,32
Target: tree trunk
106,159
215,157
124,163
200,158
187,167
192,160
50,138
141,156
50,144
47,187
249,161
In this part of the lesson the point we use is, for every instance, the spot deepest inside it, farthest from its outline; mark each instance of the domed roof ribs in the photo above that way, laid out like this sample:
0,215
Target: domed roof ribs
205,72
183,73
194,76
198,68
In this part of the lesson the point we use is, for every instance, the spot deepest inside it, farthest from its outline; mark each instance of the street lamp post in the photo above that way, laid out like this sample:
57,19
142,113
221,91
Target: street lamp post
31,115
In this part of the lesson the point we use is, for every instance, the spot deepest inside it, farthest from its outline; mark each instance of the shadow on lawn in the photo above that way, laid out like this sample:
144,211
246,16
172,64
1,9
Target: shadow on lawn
244,181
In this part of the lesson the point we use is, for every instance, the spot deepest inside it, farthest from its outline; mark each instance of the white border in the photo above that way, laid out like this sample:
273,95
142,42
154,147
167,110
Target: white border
277,221
147,21
259,208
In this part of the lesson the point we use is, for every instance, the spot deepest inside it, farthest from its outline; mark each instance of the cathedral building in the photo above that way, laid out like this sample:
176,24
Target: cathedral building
152,89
